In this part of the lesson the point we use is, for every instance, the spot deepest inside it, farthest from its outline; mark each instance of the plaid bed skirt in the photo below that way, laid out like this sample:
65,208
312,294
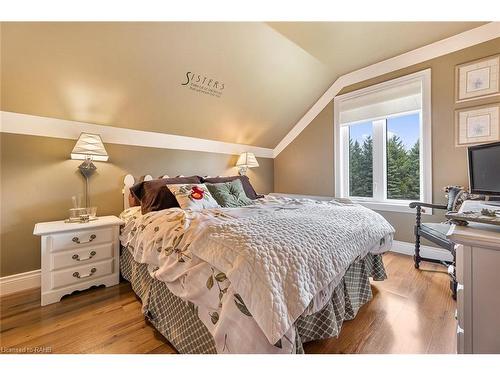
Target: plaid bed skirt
178,322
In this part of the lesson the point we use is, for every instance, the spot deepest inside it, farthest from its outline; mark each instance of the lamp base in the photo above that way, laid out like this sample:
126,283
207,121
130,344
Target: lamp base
242,171
87,168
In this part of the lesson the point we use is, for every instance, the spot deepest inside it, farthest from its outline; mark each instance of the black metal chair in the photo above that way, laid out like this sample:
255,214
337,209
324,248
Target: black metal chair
436,233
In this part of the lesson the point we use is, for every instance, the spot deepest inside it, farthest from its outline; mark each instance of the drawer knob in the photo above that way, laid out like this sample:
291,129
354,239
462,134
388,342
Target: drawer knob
78,276
77,257
91,238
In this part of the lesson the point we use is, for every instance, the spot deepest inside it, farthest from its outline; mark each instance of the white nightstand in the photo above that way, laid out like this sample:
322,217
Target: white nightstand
77,256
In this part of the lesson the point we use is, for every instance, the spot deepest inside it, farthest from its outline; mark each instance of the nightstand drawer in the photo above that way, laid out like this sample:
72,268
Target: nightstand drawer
79,257
79,239
80,274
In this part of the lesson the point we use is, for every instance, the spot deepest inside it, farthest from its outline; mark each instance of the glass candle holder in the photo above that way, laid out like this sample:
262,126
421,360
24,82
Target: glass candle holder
76,213
92,212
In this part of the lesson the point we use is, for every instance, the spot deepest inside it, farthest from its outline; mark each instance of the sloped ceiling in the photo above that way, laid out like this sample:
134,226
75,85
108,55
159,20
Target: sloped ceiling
131,75
347,46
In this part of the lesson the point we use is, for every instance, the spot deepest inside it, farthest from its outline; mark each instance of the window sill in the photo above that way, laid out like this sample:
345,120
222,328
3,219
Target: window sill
390,206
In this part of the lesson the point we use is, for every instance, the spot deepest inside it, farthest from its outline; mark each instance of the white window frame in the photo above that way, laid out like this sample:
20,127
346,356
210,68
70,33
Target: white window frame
341,141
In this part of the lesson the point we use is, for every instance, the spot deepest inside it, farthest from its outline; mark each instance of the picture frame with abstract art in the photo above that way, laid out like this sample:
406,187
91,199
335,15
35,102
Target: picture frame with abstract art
477,125
478,79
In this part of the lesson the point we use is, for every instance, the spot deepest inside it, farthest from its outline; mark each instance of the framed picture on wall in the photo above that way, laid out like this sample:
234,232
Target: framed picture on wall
478,79
477,125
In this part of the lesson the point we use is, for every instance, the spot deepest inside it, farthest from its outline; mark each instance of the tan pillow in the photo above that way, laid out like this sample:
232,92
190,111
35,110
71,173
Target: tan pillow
193,196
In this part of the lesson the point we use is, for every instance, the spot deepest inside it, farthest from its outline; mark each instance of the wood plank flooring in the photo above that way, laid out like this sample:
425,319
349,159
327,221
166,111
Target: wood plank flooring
411,312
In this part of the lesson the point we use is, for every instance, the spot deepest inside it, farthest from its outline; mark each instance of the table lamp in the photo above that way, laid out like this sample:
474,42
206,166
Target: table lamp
89,148
245,161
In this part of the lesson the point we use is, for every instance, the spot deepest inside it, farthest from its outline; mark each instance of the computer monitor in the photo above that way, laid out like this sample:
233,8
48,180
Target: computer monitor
484,169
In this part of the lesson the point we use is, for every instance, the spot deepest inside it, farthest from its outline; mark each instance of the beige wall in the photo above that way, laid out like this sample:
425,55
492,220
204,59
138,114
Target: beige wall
306,165
38,180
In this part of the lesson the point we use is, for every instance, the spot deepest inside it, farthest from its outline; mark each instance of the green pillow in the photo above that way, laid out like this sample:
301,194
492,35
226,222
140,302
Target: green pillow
229,194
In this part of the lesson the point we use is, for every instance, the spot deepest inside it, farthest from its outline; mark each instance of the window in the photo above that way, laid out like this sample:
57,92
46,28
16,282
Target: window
382,143
361,160
403,157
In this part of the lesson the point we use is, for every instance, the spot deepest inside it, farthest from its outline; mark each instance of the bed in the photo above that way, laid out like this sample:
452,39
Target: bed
263,278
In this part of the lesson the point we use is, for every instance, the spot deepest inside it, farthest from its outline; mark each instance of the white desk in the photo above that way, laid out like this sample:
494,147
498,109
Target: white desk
478,277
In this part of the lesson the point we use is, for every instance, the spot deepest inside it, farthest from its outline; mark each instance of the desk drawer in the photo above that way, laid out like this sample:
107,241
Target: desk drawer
80,274
79,257
76,240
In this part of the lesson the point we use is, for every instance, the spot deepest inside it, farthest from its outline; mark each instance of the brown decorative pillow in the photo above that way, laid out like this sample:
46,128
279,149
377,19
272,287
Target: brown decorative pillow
133,201
155,196
245,181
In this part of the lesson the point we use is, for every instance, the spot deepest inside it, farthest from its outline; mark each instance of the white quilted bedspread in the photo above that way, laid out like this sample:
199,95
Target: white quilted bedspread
280,259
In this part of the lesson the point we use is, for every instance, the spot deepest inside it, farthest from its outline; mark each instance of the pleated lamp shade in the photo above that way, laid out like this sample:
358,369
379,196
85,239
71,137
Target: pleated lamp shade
89,146
248,160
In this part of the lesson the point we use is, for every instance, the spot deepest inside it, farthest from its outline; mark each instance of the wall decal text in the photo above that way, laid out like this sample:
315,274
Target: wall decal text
203,84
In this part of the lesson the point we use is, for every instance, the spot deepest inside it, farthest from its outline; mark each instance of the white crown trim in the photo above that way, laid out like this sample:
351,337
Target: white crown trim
443,47
19,123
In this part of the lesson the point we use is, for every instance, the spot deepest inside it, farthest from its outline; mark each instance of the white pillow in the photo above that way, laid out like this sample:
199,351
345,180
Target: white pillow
193,196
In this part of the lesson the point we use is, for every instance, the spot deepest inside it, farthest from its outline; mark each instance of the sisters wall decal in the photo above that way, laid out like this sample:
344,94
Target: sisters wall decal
203,84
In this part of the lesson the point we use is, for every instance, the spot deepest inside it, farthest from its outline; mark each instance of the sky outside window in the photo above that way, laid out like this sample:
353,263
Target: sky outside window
406,127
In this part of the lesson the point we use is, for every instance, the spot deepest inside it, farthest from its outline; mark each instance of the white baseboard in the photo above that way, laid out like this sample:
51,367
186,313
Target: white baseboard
425,251
18,282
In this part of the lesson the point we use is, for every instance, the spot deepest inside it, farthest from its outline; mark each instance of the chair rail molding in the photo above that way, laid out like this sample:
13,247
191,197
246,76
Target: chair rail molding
19,123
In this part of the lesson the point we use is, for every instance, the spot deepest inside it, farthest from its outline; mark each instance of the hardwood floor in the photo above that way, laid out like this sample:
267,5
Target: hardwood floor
411,312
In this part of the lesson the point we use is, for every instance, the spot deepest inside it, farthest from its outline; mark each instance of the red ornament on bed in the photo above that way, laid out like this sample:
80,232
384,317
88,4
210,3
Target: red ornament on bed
197,193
